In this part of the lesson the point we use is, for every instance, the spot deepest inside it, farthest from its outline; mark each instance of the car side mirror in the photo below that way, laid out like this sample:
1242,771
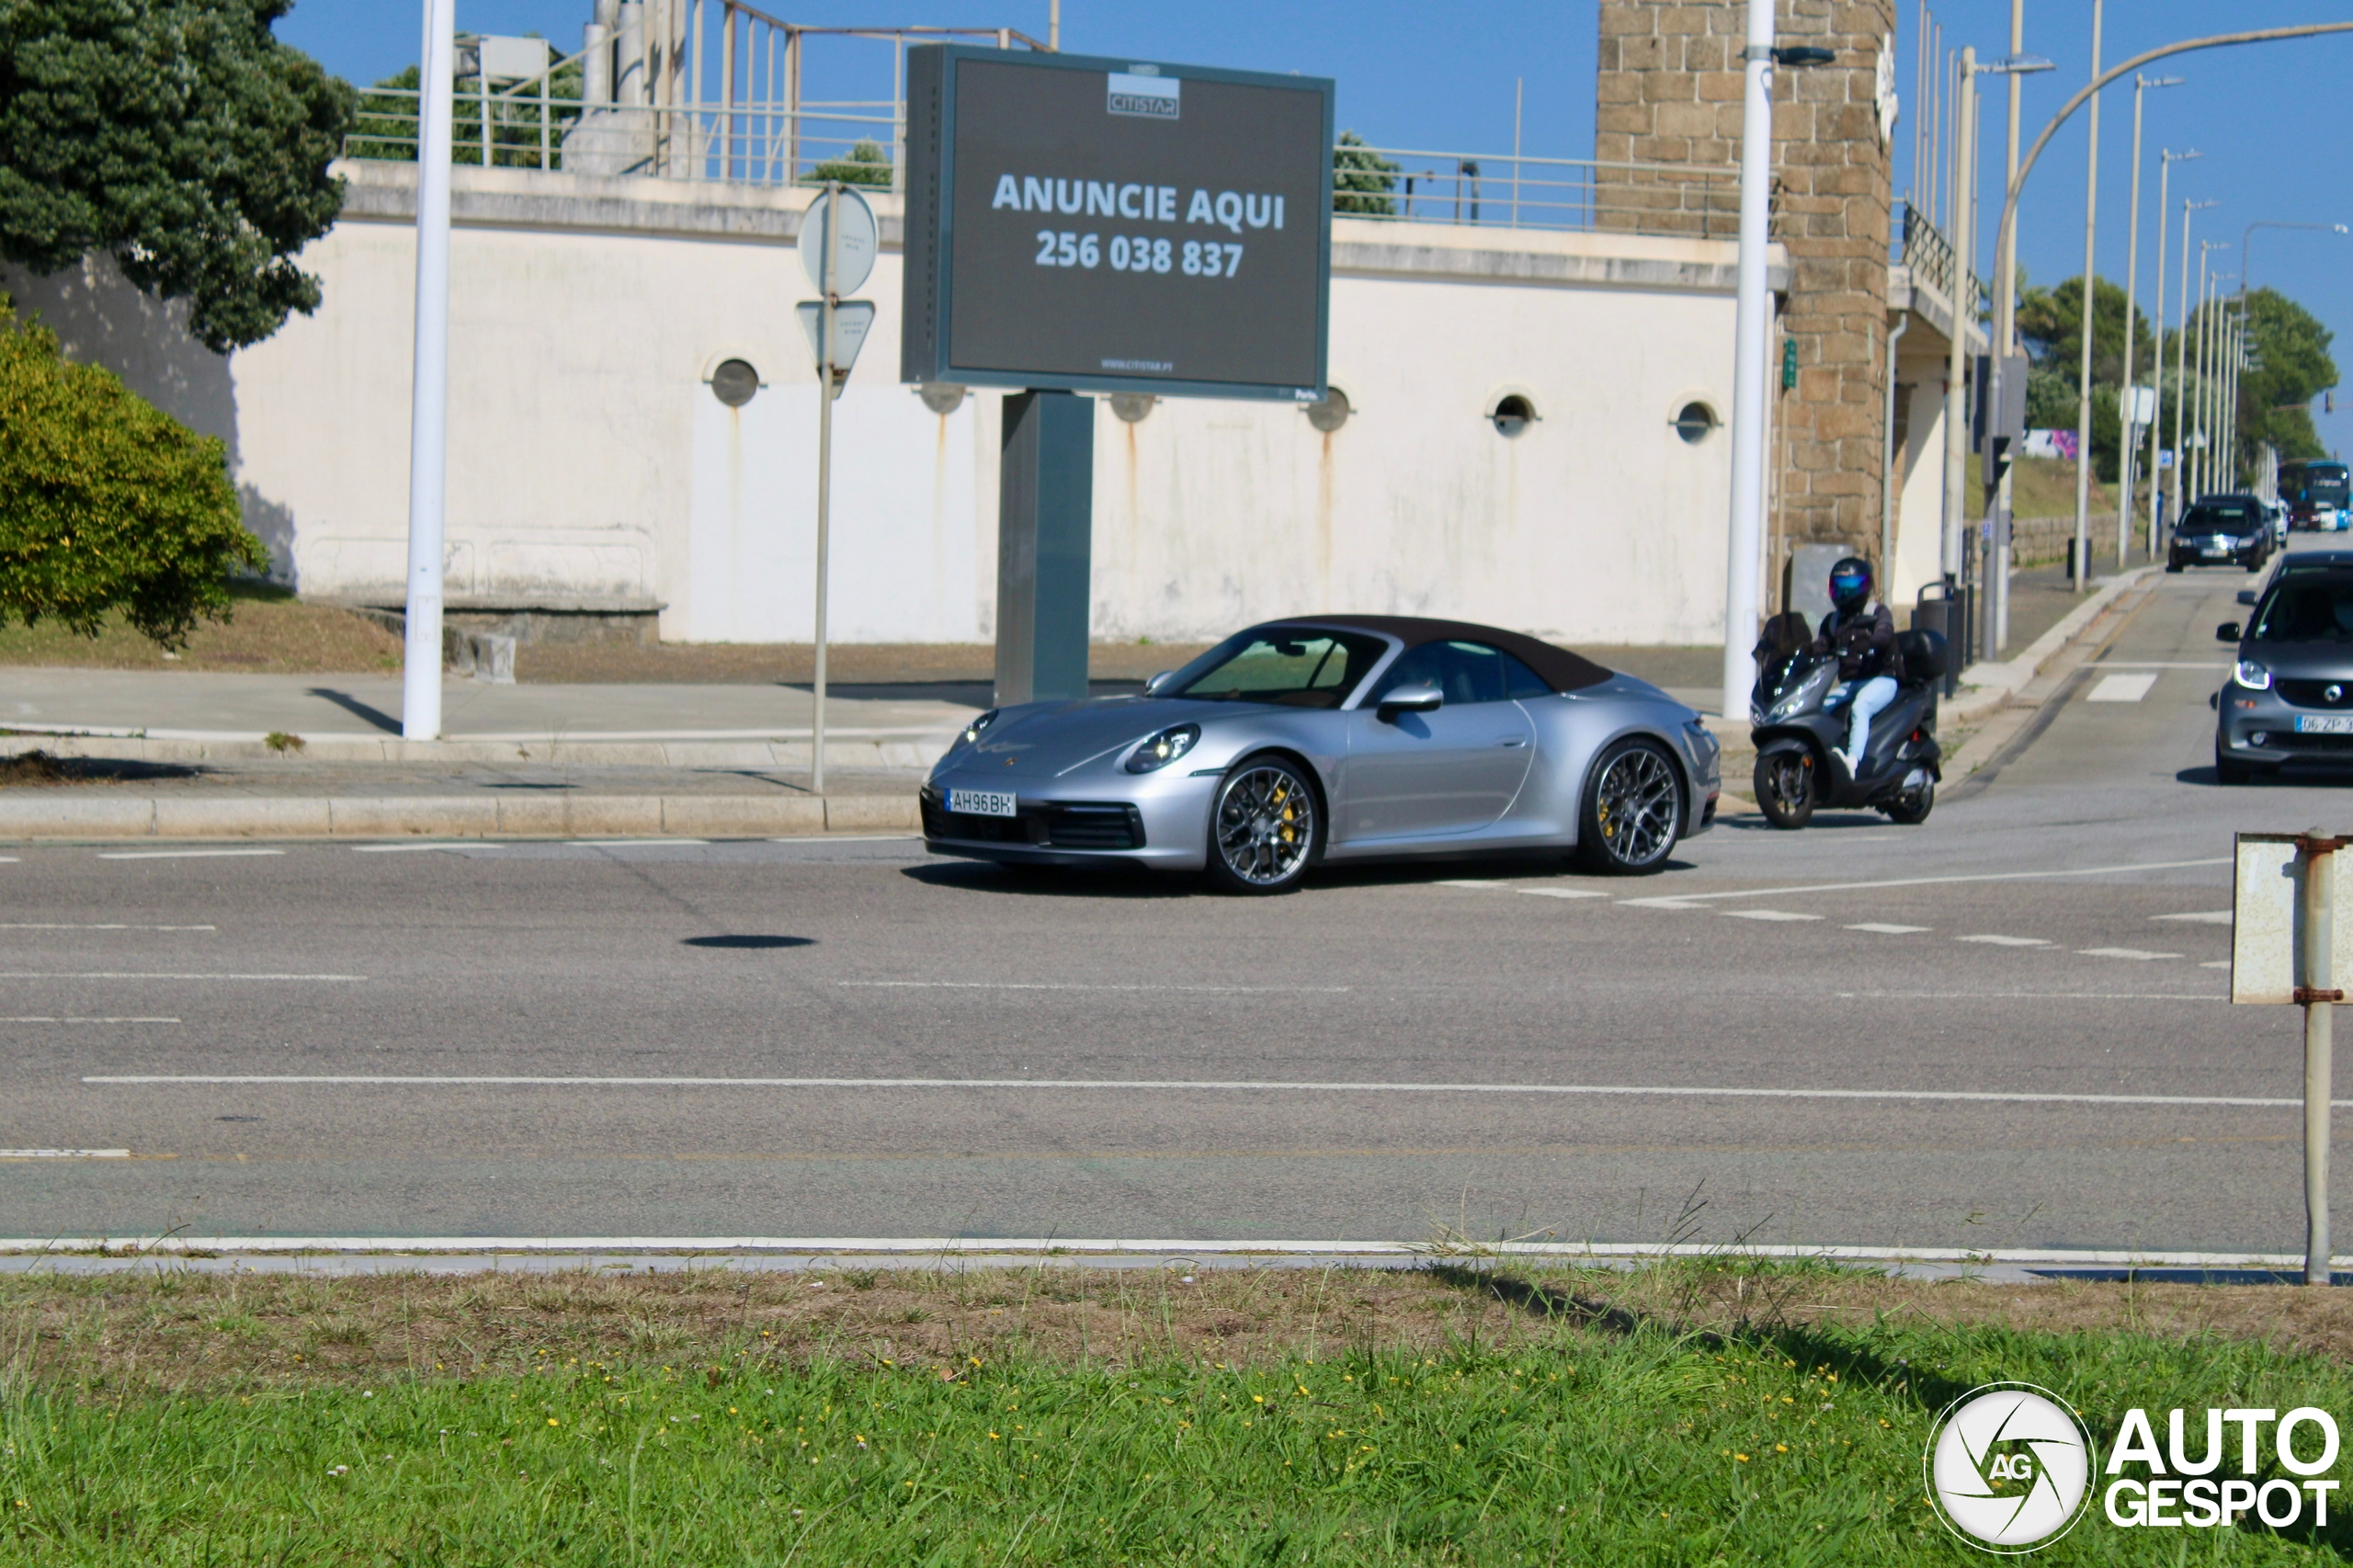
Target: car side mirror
1152,688
1423,698
2246,596
2228,633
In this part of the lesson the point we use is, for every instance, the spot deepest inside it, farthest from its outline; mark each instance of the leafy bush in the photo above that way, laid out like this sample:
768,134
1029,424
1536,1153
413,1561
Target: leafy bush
868,165
107,502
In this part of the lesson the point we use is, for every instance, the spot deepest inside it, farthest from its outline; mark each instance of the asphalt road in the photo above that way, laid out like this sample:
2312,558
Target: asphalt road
2005,1028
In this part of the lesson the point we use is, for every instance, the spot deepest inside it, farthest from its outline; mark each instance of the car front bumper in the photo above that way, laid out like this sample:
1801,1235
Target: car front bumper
2259,729
1159,820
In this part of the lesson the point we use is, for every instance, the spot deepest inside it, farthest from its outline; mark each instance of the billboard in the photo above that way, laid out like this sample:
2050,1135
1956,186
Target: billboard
1106,225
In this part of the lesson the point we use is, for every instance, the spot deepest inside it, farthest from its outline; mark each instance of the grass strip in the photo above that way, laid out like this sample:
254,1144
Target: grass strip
1748,1413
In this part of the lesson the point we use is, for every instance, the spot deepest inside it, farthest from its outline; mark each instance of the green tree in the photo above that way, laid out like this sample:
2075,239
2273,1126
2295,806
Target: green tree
179,136
2050,323
867,164
107,503
1362,179
2290,347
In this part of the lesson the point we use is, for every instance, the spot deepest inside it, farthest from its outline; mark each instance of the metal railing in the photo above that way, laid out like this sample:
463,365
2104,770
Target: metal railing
528,125
1923,247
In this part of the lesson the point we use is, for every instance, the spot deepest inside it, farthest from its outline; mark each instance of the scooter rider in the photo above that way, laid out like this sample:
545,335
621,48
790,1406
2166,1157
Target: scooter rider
1861,633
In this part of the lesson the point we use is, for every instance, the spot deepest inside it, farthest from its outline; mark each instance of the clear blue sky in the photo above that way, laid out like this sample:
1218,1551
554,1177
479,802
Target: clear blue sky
2270,120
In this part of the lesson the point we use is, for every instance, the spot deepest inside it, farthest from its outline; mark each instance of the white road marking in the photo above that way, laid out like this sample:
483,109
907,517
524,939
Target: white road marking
1177,1085
181,854
2122,688
1766,915
2155,664
73,926
64,1153
1886,930
2215,963
1045,985
2006,941
1490,885
630,842
2201,917
413,848
43,1020
2141,954
8,860
2027,996
850,838
126,974
1684,900
1561,892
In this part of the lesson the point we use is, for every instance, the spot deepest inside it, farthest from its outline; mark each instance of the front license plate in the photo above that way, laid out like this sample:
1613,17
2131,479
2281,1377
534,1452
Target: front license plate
979,803
2214,549
2325,724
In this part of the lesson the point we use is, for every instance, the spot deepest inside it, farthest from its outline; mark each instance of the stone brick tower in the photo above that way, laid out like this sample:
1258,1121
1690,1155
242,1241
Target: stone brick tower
1670,90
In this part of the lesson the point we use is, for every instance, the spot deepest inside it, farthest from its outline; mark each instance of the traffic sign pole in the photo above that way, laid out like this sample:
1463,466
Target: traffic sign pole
2319,995
825,468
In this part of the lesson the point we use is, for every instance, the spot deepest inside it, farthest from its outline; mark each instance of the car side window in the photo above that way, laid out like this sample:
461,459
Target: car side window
1520,681
1462,672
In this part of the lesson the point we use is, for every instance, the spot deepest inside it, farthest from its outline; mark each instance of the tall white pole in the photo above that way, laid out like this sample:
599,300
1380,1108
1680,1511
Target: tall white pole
2157,371
824,468
2182,373
2083,571
1964,187
428,441
1749,414
2005,288
2124,447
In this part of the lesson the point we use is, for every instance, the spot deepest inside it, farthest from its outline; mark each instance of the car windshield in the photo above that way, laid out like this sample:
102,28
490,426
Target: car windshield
2223,517
2308,607
1301,668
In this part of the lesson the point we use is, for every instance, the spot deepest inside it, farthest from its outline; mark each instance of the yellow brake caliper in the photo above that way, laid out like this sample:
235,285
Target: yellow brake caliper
1289,813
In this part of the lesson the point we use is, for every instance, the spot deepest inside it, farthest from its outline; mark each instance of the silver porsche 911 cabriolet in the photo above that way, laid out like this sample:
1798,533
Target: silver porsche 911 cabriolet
1334,738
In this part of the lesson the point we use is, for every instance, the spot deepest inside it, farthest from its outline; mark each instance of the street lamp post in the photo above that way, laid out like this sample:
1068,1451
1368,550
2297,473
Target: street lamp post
428,461
1753,323
2182,394
2166,159
2080,564
2125,448
2006,277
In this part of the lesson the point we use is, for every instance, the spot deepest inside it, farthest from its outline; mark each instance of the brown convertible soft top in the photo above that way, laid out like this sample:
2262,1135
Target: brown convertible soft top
1559,669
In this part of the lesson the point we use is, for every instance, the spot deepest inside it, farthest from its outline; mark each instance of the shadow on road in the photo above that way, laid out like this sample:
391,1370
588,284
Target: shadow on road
1120,880
748,941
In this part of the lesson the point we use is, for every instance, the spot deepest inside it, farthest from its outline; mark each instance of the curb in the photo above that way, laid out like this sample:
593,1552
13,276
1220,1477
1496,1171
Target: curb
898,749
1991,686
72,814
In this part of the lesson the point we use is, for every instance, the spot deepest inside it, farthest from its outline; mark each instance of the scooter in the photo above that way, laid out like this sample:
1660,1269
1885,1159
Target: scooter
1798,737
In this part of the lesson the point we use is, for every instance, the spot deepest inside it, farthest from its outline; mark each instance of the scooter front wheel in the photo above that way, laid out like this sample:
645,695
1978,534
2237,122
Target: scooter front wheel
1785,787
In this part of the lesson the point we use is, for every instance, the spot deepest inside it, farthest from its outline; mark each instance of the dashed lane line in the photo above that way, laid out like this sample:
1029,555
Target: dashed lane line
1881,927
1994,941
132,974
34,1018
2141,955
64,1153
1050,986
1561,892
1766,915
78,925
182,853
2122,688
2199,917
416,849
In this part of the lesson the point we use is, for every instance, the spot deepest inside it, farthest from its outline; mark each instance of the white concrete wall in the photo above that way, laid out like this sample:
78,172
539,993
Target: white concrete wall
590,466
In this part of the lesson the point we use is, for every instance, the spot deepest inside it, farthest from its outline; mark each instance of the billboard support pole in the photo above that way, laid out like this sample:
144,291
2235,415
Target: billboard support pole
1045,547
824,472
2318,994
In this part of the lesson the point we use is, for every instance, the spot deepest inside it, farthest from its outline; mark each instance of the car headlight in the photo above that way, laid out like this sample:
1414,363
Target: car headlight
1164,748
2252,673
972,730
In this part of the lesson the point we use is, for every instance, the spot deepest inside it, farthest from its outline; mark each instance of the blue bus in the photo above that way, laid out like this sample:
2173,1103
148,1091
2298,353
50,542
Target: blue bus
2318,495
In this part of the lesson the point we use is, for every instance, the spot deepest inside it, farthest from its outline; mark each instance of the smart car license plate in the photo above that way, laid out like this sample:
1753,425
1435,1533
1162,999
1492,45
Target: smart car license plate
979,803
2325,724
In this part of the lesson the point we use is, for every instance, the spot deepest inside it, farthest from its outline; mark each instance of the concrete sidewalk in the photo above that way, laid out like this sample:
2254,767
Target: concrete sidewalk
141,716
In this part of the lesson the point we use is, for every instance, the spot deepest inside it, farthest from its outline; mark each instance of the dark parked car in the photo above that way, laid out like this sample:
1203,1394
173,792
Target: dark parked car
2290,697
2222,530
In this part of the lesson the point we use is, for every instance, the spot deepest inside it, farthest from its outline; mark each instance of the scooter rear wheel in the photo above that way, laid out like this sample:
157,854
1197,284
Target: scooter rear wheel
1912,808
1785,788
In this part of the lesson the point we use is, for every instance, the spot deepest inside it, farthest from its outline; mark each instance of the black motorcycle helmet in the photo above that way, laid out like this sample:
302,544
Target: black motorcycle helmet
1850,584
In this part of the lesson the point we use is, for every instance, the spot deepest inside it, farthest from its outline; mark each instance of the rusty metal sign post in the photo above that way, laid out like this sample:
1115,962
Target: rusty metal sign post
2284,949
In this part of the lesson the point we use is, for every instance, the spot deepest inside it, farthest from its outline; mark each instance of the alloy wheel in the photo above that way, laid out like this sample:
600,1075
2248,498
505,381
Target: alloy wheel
1635,806
1266,824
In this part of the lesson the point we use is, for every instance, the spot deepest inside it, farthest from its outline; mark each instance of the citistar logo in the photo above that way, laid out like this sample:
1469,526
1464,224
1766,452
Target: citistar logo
2008,1467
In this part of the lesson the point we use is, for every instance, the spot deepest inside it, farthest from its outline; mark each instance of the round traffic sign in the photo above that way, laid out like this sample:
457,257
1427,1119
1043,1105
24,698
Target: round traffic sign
854,253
